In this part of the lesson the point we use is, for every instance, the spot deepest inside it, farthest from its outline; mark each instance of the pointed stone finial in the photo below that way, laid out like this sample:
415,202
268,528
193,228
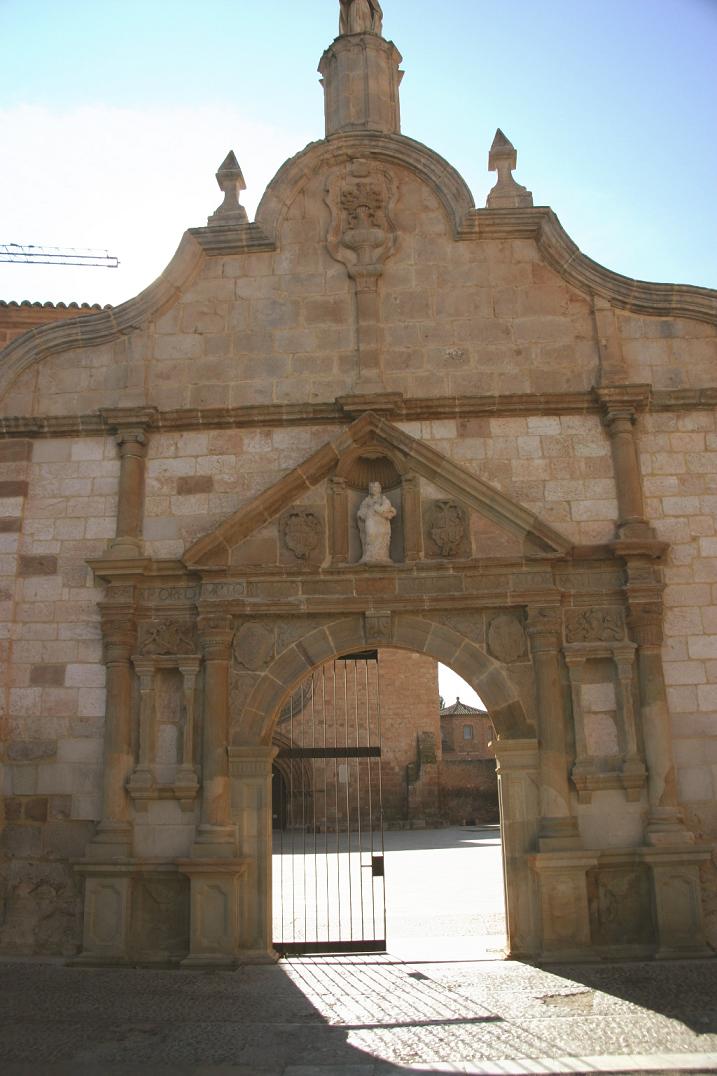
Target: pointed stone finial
360,17
507,194
231,182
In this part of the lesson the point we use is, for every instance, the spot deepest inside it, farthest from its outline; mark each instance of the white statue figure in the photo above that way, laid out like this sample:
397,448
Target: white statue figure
360,17
374,522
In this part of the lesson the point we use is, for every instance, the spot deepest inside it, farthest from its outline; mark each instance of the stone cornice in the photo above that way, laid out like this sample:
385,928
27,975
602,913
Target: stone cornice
93,330
405,410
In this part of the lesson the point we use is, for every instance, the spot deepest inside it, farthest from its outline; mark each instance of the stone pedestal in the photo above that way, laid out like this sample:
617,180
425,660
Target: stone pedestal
519,811
214,935
677,901
361,77
135,912
562,878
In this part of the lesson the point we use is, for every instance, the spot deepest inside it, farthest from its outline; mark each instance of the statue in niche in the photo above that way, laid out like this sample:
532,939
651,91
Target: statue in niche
360,17
374,523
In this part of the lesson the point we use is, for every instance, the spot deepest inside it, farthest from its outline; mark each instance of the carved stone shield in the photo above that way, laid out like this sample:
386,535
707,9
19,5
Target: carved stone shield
448,527
301,532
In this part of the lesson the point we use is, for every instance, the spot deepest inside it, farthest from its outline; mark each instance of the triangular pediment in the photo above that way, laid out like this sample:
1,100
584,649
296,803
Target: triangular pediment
492,520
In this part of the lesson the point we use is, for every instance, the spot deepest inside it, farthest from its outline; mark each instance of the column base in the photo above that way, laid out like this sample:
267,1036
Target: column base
215,842
125,548
666,827
112,840
559,834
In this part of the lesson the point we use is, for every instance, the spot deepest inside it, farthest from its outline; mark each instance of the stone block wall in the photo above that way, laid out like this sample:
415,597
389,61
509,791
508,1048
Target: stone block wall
59,509
679,464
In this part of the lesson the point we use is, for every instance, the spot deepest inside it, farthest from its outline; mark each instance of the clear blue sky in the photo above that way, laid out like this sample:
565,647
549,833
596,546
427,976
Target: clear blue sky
114,115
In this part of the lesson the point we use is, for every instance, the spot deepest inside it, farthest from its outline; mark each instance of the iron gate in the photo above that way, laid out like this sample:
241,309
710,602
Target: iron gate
328,853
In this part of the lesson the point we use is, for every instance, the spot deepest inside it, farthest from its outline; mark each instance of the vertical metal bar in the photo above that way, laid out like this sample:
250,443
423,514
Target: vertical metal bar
358,794
326,806
291,821
304,769
348,802
380,785
313,806
334,710
370,796
281,852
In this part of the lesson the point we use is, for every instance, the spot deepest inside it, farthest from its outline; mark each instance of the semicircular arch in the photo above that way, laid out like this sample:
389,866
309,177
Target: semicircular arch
409,632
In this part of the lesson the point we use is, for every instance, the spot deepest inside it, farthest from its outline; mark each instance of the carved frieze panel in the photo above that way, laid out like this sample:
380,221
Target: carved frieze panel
301,533
253,646
506,638
447,532
594,625
158,637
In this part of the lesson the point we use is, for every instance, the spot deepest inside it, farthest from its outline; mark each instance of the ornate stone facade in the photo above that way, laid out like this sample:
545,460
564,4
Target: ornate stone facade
181,481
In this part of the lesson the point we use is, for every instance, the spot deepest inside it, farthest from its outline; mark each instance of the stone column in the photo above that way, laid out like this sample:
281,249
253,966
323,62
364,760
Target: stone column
339,521
143,780
130,427
250,768
664,824
412,525
186,774
619,414
114,833
584,768
517,769
216,836
633,769
558,825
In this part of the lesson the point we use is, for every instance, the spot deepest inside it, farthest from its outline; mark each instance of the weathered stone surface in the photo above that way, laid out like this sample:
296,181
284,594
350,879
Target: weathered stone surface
31,750
37,565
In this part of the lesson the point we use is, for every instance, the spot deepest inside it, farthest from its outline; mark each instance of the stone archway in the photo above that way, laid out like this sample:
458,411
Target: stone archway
516,752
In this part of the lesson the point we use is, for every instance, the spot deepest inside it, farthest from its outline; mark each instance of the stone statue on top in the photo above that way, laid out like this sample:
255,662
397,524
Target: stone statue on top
360,17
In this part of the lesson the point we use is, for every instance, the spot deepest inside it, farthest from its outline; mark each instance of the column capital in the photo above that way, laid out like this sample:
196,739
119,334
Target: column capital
620,404
544,627
127,418
119,636
215,635
645,622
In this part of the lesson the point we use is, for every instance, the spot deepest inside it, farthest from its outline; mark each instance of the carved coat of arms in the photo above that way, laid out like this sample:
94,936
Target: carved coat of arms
362,234
448,527
301,532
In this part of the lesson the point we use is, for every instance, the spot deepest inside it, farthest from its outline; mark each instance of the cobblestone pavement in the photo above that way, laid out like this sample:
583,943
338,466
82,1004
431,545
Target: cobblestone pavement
358,1016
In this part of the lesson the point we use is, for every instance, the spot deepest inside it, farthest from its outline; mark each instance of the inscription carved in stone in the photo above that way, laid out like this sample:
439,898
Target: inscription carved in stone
253,646
594,625
223,591
506,638
301,532
167,637
170,594
448,527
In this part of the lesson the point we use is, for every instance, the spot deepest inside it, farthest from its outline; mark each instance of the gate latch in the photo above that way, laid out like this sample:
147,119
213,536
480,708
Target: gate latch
377,866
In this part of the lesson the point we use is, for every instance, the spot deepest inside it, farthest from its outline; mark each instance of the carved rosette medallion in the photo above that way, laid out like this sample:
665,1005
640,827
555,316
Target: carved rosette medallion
253,646
361,235
448,528
301,532
594,626
159,637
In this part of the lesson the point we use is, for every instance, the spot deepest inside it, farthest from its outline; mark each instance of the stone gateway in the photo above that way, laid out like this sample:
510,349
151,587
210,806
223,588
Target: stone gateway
183,482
